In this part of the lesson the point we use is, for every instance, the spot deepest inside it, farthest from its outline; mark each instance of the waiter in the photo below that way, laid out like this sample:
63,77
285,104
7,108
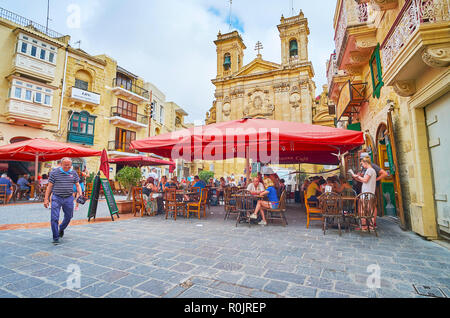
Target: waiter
61,184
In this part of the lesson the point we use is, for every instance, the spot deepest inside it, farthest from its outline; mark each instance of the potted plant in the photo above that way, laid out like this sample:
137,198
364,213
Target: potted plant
128,178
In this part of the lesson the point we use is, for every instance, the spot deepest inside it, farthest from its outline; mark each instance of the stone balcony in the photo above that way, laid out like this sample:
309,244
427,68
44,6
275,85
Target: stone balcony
355,33
419,39
336,79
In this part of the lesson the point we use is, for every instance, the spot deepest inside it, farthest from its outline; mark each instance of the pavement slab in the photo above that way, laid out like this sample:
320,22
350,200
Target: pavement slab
153,257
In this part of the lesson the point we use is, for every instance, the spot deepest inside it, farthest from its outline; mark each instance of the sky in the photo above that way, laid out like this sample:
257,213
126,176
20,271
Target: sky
170,43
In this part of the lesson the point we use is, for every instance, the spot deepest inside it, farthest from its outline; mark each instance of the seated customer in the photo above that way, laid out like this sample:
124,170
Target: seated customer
197,184
24,185
9,189
313,192
273,202
343,185
256,187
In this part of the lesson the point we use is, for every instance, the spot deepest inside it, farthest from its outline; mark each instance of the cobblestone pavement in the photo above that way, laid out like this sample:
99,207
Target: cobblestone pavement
154,257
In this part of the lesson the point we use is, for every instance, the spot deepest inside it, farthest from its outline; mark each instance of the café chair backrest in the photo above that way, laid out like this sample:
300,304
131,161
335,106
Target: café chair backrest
330,203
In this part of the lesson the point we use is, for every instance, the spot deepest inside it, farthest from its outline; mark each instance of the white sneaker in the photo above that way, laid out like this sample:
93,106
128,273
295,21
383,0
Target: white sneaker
253,216
263,223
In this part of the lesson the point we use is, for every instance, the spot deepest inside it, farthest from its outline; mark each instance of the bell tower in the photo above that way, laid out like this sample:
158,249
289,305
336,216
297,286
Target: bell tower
230,53
294,33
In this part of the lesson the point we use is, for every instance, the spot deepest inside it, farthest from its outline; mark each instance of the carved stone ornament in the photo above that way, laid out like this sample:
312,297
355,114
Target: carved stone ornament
226,109
437,57
295,99
281,87
259,104
405,88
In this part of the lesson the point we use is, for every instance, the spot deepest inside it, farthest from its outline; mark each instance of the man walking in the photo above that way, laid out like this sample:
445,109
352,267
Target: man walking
61,183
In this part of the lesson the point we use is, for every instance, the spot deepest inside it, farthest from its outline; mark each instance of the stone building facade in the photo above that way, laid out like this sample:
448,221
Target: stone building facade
262,89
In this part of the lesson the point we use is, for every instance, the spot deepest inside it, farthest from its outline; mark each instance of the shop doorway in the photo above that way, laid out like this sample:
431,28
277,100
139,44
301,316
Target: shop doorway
387,190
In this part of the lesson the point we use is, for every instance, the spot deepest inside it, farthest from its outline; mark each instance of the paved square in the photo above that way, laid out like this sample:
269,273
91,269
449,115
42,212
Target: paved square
155,257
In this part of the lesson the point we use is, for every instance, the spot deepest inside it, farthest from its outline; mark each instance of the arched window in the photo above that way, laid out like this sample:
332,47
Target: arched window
83,80
293,48
227,62
82,128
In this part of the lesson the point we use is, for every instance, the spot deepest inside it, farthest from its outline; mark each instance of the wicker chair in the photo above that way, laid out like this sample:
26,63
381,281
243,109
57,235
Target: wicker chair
330,205
279,213
365,205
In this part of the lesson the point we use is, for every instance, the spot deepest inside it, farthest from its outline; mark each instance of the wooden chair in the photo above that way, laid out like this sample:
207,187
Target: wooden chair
113,186
348,207
196,207
138,201
172,205
365,207
3,195
312,213
330,205
279,213
40,192
229,206
15,195
244,206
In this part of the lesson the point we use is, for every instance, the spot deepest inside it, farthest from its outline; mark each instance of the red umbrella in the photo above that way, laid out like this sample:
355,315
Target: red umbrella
141,161
43,150
262,140
104,165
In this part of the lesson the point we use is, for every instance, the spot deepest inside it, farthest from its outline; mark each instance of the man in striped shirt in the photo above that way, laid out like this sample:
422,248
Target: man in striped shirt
61,183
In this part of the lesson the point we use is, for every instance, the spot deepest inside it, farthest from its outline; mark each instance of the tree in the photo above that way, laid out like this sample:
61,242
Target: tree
129,177
206,175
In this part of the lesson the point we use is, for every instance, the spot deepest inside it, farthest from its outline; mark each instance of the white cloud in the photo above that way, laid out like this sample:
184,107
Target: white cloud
170,42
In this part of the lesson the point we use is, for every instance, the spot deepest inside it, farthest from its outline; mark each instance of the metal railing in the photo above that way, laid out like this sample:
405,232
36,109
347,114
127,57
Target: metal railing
15,18
131,87
127,114
120,146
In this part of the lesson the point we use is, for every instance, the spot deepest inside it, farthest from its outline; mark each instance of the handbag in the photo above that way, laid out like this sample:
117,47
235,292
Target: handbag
82,200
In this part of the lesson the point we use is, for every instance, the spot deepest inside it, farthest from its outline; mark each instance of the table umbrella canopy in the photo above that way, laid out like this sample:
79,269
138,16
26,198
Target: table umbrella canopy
142,161
45,150
262,140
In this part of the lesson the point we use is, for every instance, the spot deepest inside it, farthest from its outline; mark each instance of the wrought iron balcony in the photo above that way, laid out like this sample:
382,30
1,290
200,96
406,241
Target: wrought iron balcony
121,147
130,90
128,117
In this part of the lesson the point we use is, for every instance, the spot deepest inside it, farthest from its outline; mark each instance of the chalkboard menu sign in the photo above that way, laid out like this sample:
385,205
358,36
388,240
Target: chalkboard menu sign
111,202
112,205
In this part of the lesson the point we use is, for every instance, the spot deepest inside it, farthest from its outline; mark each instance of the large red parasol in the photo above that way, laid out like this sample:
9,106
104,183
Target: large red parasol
43,150
262,140
142,161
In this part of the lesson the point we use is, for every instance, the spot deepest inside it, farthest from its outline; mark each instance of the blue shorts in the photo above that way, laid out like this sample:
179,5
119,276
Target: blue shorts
274,205
75,188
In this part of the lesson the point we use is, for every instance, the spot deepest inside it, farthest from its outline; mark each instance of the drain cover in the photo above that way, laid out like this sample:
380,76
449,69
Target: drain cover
429,291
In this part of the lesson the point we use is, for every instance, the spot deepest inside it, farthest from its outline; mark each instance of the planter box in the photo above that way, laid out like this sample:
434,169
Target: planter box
125,207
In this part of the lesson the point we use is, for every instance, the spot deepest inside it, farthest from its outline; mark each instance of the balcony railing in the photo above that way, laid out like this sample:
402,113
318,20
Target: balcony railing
130,115
15,18
131,87
413,14
121,147
351,14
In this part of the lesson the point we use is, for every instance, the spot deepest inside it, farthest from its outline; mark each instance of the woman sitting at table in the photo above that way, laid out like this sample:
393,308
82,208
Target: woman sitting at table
172,183
148,191
273,202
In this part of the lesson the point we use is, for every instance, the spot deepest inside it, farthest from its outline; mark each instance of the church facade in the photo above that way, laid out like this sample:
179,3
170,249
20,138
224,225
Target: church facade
263,89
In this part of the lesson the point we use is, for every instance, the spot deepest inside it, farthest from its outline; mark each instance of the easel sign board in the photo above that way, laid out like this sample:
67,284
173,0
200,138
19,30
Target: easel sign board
111,202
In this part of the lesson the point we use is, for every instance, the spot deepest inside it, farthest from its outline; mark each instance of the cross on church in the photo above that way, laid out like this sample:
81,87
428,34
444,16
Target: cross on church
258,47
